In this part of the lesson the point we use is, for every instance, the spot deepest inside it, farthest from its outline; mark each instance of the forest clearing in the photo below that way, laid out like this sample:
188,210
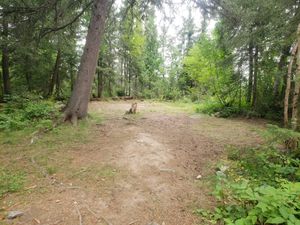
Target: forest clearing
123,169
150,112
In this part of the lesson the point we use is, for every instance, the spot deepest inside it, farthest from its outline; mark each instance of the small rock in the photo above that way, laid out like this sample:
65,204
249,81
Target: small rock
14,214
199,177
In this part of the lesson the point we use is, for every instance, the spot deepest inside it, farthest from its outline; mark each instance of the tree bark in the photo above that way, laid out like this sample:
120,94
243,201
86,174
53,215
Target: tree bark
129,81
109,88
78,103
5,58
288,86
55,79
255,74
27,72
250,81
28,80
122,72
297,86
280,74
100,84
71,77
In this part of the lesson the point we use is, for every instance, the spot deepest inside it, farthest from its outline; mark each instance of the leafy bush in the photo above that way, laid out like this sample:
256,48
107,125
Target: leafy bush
261,186
10,181
20,112
286,140
260,205
208,107
212,107
120,93
265,165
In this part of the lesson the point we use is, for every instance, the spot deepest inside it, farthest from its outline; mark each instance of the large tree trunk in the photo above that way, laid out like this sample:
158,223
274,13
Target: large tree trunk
5,58
250,81
288,86
297,87
78,103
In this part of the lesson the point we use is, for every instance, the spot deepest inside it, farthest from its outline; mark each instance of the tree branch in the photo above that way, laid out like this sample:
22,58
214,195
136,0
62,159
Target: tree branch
54,29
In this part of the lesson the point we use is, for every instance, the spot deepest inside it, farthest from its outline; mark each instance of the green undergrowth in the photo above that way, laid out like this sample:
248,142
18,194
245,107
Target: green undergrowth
59,135
258,185
180,106
20,112
10,181
213,106
32,151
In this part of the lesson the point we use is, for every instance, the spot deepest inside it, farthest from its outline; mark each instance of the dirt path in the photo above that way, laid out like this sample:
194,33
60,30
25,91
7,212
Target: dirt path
136,170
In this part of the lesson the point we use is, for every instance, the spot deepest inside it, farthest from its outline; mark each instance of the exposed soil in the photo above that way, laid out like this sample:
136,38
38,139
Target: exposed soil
135,170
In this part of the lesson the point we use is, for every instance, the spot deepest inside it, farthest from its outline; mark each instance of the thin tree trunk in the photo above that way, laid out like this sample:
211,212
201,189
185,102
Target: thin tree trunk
55,81
57,75
28,80
136,85
100,84
281,71
240,77
254,91
297,87
122,71
28,75
250,81
78,103
288,86
5,58
125,77
129,81
109,88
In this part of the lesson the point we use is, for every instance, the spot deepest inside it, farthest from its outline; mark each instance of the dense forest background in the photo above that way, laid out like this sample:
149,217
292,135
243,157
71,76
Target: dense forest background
243,66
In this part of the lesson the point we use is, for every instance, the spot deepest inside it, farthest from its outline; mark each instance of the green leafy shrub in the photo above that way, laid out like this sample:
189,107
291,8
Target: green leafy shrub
212,107
276,135
286,140
20,112
260,205
265,165
261,186
10,181
208,107
120,93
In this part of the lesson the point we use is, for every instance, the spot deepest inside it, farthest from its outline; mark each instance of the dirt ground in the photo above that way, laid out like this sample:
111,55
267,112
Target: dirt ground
134,170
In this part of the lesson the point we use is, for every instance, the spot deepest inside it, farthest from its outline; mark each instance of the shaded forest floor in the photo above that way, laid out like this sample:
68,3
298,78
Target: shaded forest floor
121,169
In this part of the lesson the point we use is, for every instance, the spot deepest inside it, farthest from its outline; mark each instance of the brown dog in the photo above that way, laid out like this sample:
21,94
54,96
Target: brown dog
133,108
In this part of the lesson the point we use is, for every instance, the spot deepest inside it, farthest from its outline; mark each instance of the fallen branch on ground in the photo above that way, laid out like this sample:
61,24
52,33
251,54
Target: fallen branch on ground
79,214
